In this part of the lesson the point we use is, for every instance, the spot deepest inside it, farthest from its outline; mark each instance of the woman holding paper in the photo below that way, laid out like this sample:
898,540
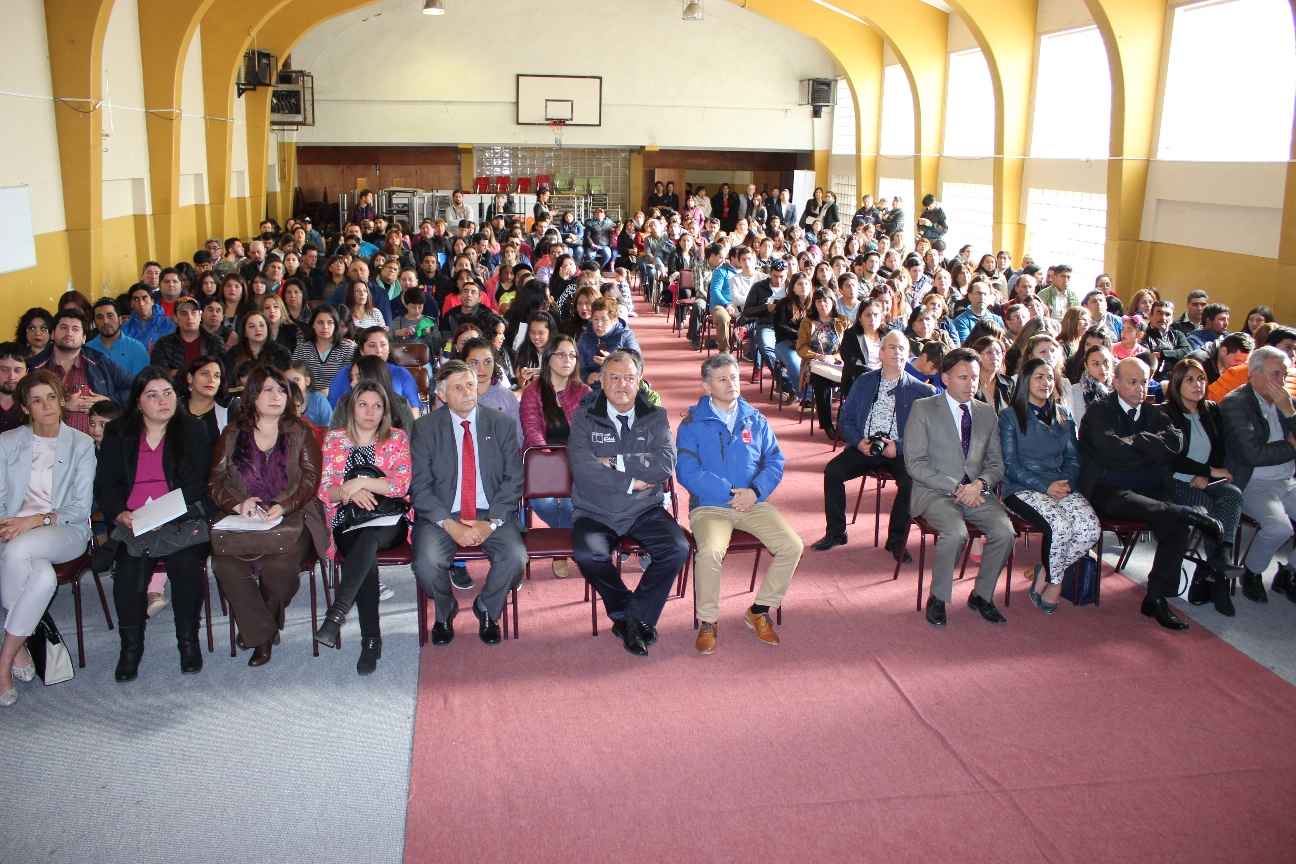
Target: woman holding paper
370,441
46,473
266,468
151,450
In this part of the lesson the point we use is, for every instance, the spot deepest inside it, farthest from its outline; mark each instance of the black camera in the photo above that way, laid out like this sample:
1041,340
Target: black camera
877,444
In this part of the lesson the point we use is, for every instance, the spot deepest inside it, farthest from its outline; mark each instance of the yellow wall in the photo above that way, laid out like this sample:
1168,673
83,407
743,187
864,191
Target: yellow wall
36,286
1241,281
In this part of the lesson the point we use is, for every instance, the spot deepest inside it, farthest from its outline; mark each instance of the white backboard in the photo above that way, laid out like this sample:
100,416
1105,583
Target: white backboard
576,98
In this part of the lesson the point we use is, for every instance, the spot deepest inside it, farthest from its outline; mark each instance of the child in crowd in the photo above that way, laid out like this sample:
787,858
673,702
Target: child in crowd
623,296
1131,337
316,407
100,415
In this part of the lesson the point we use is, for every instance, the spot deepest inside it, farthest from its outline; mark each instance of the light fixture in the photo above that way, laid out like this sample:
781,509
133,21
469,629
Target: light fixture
693,10
433,7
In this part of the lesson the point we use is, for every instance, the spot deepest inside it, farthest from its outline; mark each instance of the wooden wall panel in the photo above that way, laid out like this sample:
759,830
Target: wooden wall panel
769,168
338,169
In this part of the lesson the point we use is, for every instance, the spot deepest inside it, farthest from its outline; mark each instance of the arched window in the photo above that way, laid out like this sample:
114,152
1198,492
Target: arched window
1072,97
897,133
969,106
843,136
1230,82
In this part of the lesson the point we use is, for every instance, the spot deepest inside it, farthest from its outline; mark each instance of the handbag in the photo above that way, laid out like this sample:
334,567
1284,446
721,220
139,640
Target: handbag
353,516
250,545
1080,581
45,645
189,530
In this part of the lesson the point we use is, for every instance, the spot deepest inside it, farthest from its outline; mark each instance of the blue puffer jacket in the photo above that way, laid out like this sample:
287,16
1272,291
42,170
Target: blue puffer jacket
718,291
1042,454
618,338
713,461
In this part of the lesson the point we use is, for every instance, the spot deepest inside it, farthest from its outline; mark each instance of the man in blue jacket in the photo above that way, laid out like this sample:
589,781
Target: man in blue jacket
88,375
872,425
730,463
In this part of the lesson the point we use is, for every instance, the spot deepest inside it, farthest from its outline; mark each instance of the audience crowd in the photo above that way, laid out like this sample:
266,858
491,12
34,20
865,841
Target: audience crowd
329,399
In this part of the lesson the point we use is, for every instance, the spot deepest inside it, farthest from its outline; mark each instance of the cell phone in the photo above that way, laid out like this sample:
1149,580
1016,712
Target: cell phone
265,514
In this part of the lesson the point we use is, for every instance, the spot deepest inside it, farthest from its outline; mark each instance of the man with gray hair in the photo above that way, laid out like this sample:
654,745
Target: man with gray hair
1128,444
1260,450
730,463
622,455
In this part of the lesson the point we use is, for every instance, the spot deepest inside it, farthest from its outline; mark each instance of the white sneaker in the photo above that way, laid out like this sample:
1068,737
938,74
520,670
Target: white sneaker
385,592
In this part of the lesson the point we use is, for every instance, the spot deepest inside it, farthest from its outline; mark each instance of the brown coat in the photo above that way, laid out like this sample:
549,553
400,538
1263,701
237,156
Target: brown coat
228,490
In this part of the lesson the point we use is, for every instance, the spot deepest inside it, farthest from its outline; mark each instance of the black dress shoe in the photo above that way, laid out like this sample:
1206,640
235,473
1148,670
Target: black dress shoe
828,541
1284,582
1218,586
631,632
1207,524
898,550
1253,587
649,633
459,577
987,609
489,629
442,634
1164,615
935,612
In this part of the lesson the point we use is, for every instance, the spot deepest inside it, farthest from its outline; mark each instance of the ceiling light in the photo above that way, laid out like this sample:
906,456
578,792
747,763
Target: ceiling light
433,7
693,10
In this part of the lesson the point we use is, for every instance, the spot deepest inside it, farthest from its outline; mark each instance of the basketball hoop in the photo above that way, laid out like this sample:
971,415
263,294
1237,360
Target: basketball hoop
557,126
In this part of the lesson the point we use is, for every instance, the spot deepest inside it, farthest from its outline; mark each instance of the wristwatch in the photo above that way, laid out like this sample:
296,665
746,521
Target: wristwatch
496,523
47,519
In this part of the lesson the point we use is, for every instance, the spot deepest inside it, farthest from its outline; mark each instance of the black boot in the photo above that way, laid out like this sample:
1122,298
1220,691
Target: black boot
1253,587
1284,582
1218,586
334,618
1221,561
132,649
370,654
191,659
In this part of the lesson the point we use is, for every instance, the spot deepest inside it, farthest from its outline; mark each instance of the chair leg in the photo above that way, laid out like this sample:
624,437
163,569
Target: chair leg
233,644
1008,581
103,599
859,499
593,601
755,565
314,614
211,639
877,512
967,552
515,613
76,601
420,604
922,563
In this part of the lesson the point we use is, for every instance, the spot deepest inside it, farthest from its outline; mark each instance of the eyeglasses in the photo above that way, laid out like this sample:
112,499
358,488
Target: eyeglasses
566,355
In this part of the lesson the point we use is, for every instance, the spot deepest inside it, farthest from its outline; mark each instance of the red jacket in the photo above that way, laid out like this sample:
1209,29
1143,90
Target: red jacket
533,422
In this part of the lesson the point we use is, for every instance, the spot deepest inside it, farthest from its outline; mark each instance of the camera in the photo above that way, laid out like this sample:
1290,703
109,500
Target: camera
877,444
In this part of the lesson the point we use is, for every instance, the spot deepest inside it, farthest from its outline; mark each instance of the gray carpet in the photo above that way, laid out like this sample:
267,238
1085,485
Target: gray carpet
301,759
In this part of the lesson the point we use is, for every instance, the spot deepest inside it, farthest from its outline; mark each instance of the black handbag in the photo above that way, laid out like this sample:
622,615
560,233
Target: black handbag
1080,581
354,516
189,530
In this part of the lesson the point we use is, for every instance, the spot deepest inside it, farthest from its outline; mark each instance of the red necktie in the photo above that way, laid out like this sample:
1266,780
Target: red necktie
468,478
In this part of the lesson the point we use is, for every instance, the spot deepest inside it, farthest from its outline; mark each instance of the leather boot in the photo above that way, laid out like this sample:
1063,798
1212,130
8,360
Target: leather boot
1199,590
132,649
334,618
1253,587
370,654
191,659
1221,561
1218,586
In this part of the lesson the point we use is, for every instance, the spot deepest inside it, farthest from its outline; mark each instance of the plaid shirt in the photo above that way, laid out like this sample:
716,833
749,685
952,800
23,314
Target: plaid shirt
74,379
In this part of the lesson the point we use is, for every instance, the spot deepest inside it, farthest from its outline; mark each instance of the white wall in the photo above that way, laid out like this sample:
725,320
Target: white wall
451,78
28,136
125,158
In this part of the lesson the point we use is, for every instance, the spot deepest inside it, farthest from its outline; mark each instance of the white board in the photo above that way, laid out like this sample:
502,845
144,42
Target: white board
17,238
582,94
803,186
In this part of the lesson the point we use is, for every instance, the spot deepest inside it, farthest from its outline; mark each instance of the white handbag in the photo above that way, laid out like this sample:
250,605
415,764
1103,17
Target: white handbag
45,644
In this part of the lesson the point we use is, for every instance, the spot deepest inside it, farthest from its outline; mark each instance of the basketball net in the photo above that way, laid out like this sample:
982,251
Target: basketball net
556,126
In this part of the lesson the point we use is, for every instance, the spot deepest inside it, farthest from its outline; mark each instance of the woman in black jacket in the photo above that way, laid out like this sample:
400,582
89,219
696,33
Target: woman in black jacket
1201,480
155,448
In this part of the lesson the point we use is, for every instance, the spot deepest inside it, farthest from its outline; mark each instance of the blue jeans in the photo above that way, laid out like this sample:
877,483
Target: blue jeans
763,342
603,255
556,512
791,360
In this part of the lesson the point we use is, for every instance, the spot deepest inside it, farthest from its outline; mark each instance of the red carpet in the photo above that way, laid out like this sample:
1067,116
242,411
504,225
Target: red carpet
1089,735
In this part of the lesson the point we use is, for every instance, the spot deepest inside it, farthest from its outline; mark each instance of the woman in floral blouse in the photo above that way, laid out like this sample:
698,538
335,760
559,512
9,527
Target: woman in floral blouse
368,439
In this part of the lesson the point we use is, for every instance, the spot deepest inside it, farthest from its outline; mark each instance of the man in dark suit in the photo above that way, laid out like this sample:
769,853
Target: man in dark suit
953,454
874,416
1128,445
466,488
622,453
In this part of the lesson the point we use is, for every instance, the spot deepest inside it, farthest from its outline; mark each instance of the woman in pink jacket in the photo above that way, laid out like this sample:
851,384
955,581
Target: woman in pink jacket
368,441
547,410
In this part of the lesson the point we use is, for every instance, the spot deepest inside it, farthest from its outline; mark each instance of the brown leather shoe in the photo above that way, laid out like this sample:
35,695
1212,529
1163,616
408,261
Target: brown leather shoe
706,638
261,653
561,569
762,625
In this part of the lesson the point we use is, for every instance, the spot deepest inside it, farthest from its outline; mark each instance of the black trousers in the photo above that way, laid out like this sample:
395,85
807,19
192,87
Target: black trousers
822,389
851,463
1036,521
593,544
1164,517
359,583
187,571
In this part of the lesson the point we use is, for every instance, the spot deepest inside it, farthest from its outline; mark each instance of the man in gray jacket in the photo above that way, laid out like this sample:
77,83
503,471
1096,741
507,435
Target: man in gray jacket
622,454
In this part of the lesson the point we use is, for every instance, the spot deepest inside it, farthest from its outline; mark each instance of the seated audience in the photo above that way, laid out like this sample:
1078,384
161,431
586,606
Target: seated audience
1161,338
13,366
367,446
820,339
87,375
375,342
1224,354
325,352
317,409
255,346
47,471
266,465
730,463
189,341
605,335
492,388
1214,326
127,353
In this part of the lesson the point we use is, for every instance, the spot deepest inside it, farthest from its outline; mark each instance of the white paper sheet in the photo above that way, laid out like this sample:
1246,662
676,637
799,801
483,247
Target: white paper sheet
159,511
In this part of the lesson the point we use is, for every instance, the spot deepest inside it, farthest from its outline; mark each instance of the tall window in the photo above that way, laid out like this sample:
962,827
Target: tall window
1230,83
1067,228
1072,97
843,186
897,133
888,188
969,106
843,136
969,210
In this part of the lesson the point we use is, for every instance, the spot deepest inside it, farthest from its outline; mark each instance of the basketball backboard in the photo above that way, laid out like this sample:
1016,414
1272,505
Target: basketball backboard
577,100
